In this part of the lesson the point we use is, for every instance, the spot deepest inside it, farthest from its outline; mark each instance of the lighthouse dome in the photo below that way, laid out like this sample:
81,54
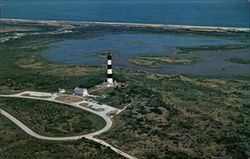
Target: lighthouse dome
109,56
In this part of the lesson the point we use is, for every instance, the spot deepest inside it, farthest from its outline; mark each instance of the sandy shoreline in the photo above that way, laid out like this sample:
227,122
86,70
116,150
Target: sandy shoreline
163,26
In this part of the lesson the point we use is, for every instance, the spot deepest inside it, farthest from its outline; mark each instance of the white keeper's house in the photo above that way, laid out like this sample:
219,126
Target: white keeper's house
81,92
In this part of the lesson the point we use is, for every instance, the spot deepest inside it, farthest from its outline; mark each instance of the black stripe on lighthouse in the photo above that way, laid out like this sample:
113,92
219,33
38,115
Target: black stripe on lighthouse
109,76
109,66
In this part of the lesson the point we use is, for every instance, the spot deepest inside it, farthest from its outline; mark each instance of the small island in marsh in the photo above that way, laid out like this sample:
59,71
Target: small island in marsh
155,61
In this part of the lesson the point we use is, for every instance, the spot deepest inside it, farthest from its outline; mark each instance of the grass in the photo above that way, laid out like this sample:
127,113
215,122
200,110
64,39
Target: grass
169,117
181,116
187,50
5,29
146,63
155,61
51,119
21,65
238,60
17,144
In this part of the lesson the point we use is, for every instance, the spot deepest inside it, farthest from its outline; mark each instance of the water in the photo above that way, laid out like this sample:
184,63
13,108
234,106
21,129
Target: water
124,44
130,45
224,13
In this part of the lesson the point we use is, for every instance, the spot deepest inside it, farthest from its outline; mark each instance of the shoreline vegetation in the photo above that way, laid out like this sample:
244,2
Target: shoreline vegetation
238,60
75,30
191,49
197,28
157,61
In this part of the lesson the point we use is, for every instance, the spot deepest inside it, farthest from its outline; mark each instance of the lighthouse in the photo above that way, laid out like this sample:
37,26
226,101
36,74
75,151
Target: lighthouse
109,82
109,70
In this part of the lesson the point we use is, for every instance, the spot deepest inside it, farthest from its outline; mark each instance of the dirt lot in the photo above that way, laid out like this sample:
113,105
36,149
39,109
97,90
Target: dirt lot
84,104
69,98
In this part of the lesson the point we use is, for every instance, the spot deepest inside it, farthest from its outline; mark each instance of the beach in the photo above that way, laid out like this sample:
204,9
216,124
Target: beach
162,26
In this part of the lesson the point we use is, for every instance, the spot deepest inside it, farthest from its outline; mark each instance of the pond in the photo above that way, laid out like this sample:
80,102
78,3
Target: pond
128,45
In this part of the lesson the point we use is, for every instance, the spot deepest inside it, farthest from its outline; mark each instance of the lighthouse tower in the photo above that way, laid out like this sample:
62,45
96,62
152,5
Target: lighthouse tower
109,70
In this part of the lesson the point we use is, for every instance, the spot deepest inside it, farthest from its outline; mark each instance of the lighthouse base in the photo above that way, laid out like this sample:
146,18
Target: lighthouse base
109,84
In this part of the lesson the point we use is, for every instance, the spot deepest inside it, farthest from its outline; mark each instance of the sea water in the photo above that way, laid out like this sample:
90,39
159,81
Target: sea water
224,13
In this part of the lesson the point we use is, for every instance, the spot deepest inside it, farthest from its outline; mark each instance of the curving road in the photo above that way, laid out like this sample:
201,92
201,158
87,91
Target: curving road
103,114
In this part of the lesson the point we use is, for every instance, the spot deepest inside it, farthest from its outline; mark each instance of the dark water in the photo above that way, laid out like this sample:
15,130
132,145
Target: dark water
129,45
224,13
124,44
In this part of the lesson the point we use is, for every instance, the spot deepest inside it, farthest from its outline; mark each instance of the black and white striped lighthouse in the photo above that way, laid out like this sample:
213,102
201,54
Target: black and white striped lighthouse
109,70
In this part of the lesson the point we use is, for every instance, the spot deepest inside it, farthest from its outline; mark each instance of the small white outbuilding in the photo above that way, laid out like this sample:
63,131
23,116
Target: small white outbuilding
61,91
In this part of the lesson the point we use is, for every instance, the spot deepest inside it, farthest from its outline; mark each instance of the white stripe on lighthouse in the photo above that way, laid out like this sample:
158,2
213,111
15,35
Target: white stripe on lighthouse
109,62
109,71
110,80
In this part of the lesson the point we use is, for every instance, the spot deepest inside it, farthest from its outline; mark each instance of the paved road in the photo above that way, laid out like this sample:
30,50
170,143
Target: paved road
90,136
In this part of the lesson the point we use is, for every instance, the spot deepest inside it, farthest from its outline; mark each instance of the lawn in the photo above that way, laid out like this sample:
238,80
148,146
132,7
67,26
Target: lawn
51,119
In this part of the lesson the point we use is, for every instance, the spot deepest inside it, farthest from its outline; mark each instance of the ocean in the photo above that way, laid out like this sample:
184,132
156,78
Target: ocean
220,13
